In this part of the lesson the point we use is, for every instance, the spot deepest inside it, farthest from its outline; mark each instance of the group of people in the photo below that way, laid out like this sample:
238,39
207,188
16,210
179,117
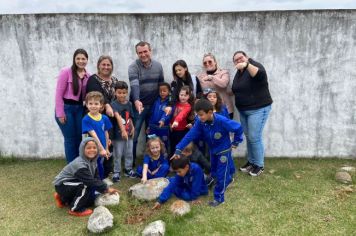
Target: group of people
184,120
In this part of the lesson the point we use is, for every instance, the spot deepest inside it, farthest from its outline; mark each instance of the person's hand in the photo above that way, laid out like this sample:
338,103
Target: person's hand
196,202
124,135
161,123
156,206
168,110
103,153
112,191
144,180
109,142
209,78
241,65
62,120
175,156
138,106
175,124
189,126
109,111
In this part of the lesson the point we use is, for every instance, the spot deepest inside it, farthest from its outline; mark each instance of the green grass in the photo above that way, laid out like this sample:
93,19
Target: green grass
300,198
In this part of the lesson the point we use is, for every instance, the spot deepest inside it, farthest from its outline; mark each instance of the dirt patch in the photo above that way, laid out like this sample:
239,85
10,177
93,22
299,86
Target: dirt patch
138,214
342,192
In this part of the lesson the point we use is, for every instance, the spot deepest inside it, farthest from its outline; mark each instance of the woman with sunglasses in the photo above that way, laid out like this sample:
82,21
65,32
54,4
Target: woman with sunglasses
218,79
253,101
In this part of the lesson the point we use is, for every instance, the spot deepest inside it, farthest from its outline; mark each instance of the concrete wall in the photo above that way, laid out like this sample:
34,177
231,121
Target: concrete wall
310,57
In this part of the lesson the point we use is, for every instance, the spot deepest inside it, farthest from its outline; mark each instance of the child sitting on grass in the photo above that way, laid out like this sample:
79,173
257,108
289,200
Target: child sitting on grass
155,163
76,183
188,183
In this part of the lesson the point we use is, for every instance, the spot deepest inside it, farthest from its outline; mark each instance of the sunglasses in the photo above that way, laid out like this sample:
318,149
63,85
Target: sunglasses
207,62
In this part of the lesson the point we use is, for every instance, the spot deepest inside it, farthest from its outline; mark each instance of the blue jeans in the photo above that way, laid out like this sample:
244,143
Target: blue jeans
138,120
252,122
72,130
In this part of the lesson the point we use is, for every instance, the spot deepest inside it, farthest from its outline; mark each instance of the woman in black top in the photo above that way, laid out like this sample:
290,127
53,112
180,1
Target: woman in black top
253,101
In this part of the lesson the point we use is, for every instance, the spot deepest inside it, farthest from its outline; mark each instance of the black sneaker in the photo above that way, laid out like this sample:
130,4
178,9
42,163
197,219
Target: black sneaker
214,203
130,174
256,171
247,167
116,177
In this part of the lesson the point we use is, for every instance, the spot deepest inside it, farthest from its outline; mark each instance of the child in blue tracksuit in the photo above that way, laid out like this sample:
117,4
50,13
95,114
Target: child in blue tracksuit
155,163
215,130
188,183
159,121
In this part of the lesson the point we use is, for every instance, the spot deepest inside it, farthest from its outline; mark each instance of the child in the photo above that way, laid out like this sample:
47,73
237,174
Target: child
215,99
76,183
180,116
155,164
123,132
159,121
215,130
97,125
188,183
194,155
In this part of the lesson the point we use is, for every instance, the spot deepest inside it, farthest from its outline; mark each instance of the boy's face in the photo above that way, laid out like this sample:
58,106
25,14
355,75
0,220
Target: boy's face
94,106
121,94
163,92
182,171
204,117
90,150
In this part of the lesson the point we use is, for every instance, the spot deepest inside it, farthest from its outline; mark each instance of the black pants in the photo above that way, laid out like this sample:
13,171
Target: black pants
77,195
175,137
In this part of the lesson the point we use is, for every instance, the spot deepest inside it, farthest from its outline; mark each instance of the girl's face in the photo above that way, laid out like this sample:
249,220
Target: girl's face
209,63
180,71
183,96
155,148
105,67
80,61
212,98
90,150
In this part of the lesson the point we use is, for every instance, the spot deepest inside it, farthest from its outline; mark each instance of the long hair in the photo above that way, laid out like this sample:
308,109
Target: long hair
161,144
189,92
74,68
188,77
218,105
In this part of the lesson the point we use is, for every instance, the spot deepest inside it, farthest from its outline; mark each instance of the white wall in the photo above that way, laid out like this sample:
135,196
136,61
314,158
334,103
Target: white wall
310,59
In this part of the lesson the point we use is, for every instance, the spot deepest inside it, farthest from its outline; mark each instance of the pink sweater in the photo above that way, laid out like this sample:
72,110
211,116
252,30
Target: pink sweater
220,83
65,89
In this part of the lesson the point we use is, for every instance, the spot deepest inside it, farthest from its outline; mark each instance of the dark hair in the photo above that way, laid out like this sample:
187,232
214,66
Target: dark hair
190,93
218,104
121,85
74,68
164,84
142,44
203,105
188,77
102,58
180,163
242,52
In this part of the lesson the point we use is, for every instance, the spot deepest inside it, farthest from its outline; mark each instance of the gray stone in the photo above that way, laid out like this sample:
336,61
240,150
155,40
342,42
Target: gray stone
150,190
156,228
343,177
107,199
349,169
100,220
180,207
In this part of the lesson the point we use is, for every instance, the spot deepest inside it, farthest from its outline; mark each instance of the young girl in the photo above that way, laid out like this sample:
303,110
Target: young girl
215,99
179,121
155,164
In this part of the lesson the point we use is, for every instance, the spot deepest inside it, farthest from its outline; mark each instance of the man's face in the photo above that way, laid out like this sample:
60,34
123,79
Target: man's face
204,117
144,53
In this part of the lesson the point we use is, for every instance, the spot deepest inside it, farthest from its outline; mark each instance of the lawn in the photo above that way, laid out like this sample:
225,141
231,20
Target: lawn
292,197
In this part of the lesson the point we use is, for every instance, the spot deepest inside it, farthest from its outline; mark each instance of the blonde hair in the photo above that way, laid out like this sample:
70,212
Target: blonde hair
94,95
161,144
209,54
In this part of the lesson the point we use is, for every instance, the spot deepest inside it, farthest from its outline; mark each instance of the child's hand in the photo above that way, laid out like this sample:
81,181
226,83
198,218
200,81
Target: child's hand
109,142
112,191
124,134
175,124
189,126
108,154
156,206
103,153
161,123
167,110
144,180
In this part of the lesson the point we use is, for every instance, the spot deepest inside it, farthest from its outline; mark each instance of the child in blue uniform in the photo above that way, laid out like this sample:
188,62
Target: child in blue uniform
215,99
97,125
188,183
159,121
215,130
155,163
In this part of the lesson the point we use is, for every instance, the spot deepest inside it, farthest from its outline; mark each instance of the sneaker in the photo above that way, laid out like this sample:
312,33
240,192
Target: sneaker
116,177
247,167
58,200
85,212
214,203
256,171
130,174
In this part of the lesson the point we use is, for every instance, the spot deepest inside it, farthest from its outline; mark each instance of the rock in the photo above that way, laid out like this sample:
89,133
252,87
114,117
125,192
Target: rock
343,177
180,207
150,190
272,171
100,220
349,169
156,228
107,199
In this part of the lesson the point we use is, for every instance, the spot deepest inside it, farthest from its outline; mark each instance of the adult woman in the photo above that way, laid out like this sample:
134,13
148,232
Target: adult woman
216,78
70,94
253,101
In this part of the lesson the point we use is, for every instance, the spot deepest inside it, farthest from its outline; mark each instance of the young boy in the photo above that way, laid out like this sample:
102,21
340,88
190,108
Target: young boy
97,126
76,183
188,183
214,129
123,132
159,121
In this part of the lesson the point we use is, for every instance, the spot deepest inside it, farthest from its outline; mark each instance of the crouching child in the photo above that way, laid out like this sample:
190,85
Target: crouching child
76,184
188,183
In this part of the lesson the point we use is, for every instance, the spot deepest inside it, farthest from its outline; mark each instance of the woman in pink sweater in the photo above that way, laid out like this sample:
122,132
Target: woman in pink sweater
70,94
218,79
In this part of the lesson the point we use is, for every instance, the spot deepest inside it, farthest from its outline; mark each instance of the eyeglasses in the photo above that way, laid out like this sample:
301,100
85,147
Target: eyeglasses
207,62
